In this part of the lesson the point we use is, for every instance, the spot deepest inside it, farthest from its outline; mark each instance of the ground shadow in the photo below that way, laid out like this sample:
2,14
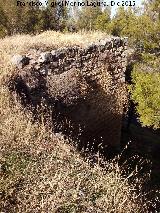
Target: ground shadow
92,122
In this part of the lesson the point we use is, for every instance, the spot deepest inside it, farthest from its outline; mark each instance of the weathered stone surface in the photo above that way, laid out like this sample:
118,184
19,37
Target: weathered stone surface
20,60
67,87
45,57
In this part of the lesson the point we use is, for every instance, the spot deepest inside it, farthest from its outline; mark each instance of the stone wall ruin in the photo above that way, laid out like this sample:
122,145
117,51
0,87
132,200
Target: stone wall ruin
85,87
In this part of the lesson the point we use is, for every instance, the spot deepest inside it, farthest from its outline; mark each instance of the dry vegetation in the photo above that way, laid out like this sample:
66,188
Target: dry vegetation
21,44
40,171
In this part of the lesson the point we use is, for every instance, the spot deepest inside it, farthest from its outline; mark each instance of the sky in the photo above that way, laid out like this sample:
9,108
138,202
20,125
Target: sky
137,3
114,8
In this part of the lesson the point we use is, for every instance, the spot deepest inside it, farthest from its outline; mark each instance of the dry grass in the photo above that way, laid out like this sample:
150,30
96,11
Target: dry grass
50,39
21,44
41,172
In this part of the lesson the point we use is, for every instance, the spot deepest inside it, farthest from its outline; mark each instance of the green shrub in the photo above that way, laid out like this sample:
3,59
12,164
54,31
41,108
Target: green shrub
145,92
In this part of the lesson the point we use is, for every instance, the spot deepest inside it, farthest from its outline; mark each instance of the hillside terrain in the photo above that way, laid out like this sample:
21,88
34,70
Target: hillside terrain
42,171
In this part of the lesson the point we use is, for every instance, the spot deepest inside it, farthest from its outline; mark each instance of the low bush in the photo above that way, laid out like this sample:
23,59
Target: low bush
145,91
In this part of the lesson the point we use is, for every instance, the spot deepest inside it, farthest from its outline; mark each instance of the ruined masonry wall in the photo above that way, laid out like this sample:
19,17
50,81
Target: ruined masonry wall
85,85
